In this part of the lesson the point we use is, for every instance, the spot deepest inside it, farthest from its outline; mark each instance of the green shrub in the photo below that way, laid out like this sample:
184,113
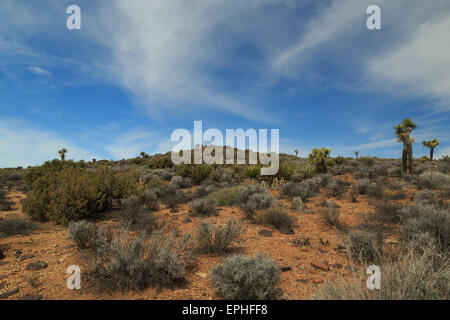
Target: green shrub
285,170
137,213
427,197
216,239
420,219
5,204
433,180
202,207
386,212
307,171
247,278
363,186
83,233
304,189
297,204
74,193
135,262
365,246
331,216
225,196
275,217
412,275
13,226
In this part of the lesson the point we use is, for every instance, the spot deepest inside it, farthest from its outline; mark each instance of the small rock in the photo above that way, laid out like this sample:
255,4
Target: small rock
26,256
318,281
286,230
201,274
2,255
174,211
284,269
32,297
308,211
187,220
18,253
320,266
6,295
2,263
38,265
265,233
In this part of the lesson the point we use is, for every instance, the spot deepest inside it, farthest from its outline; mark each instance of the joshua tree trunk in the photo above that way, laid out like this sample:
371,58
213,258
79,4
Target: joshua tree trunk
431,154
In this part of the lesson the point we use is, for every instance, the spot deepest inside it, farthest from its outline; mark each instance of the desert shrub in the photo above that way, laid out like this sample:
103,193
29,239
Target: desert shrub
427,197
197,173
413,275
13,226
386,212
225,196
33,173
83,233
5,204
170,195
257,201
160,162
336,187
297,204
136,262
304,189
202,207
365,246
328,204
376,190
137,211
331,216
420,219
368,161
179,182
363,185
340,160
433,180
76,193
354,193
276,217
247,278
216,239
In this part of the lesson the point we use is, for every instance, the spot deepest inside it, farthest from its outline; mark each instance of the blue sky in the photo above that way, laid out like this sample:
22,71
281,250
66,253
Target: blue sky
137,70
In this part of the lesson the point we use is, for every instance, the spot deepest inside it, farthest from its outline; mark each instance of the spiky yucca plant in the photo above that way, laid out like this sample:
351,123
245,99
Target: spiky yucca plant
285,170
253,171
431,144
307,171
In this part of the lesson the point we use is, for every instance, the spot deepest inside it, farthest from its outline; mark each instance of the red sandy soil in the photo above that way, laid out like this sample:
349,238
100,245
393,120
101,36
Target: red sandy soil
48,243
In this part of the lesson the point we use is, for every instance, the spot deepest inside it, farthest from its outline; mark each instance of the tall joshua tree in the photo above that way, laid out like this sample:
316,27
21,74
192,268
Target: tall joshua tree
296,152
356,154
318,158
403,130
62,153
431,144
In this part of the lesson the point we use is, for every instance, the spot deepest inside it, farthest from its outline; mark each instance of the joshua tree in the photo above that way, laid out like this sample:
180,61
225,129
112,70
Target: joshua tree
296,152
62,153
356,154
94,160
403,130
318,158
431,144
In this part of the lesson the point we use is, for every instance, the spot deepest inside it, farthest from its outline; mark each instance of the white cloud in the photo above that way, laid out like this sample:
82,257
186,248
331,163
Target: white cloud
164,51
21,145
420,66
38,70
132,143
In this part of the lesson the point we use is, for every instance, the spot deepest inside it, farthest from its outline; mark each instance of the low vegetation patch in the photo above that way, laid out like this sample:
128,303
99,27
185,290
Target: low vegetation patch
247,278
14,226
214,238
